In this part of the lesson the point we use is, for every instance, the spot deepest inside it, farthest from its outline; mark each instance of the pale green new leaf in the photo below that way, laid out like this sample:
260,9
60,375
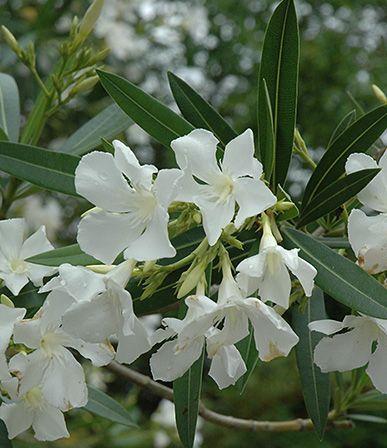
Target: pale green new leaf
9,107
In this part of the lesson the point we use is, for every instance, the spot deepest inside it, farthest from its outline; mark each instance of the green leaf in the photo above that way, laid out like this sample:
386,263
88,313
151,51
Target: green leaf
107,124
249,354
356,138
9,107
266,133
279,67
367,418
4,441
198,111
315,384
3,135
101,404
336,194
347,120
156,119
372,400
292,212
69,254
339,277
334,242
186,393
46,169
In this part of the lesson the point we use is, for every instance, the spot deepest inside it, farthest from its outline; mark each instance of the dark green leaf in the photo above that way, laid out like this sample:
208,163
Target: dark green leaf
249,354
315,384
186,393
69,254
335,195
3,135
334,242
46,169
107,124
101,404
347,120
198,111
156,119
4,441
279,67
370,401
367,418
9,107
356,138
266,133
339,277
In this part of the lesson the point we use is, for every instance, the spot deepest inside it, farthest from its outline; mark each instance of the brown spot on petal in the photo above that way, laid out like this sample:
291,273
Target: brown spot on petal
274,352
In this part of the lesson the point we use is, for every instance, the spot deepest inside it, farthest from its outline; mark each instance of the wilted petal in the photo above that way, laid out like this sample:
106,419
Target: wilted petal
98,179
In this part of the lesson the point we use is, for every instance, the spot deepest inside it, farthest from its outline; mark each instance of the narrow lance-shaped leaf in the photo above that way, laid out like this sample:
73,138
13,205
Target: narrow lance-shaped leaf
198,111
356,138
315,384
157,120
47,169
279,67
70,254
347,120
339,277
336,194
266,133
107,124
101,404
9,107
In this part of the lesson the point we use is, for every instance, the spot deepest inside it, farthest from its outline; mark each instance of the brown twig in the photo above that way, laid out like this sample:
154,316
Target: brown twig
226,421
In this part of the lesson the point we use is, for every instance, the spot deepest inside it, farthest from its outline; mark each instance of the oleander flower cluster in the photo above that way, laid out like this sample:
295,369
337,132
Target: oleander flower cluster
88,311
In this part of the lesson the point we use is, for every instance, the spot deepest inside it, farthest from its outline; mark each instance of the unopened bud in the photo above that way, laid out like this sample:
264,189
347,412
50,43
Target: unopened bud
83,86
4,300
283,206
10,40
90,18
380,95
191,281
197,217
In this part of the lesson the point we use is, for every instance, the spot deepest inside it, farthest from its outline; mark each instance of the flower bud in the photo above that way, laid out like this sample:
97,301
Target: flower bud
83,86
380,95
10,40
90,18
4,300
191,281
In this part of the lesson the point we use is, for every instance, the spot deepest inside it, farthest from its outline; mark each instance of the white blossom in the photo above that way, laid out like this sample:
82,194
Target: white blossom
374,195
31,409
236,180
353,348
8,318
368,238
132,210
14,250
268,273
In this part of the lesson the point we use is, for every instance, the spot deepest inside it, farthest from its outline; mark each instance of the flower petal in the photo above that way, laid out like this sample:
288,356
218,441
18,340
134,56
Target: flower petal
165,186
98,179
154,243
81,283
227,366
377,367
305,273
8,318
238,159
126,161
132,346
11,237
326,326
49,424
197,152
345,351
105,235
14,282
276,285
17,418
253,198
36,244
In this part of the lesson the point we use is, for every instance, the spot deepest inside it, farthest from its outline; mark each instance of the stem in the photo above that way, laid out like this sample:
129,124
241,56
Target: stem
226,421
306,157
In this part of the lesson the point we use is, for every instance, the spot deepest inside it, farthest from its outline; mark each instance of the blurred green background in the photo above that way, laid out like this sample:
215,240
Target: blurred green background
215,45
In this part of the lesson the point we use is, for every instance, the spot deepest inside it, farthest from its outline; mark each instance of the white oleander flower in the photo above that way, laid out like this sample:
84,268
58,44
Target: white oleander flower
14,250
31,409
132,210
51,366
368,238
235,180
268,273
8,318
353,349
374,195
102,308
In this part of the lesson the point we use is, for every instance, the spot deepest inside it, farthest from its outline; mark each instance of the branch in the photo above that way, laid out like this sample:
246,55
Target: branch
226,421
